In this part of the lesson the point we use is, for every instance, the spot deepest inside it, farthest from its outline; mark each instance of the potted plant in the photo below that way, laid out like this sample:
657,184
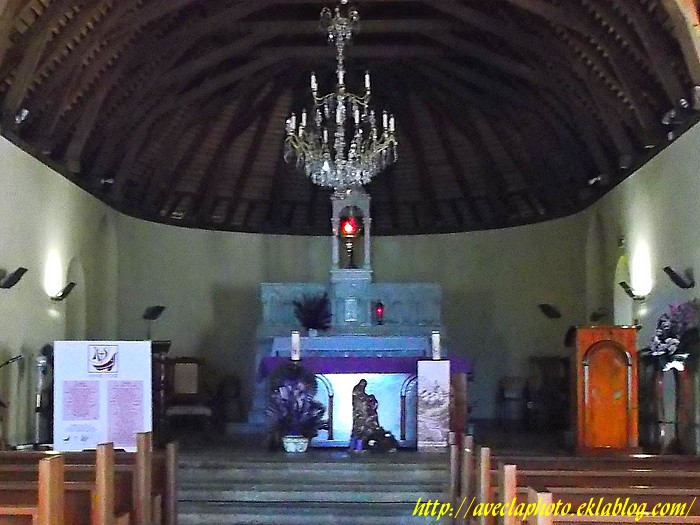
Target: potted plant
313,312
294,416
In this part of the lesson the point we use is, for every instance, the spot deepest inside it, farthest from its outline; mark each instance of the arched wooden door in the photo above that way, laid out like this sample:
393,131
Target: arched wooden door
606,388
607,377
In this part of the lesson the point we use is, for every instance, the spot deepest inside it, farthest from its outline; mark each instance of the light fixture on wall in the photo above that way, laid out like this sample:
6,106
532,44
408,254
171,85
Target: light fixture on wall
682,281
151,314
8,281
65,292
630,293
550,310
598,314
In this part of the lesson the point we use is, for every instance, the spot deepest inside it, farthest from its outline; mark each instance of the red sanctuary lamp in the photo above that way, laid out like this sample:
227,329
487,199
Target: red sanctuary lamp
349,230
379,312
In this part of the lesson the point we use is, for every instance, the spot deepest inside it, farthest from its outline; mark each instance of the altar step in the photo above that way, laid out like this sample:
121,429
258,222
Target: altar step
317,488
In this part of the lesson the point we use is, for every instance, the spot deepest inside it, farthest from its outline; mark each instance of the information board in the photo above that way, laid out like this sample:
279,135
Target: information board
102,393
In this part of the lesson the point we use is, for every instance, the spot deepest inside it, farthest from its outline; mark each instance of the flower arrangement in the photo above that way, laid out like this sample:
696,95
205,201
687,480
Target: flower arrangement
673,331
313,311
292,410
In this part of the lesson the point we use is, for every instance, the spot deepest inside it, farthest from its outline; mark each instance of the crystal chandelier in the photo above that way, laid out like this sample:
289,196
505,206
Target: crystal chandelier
341,144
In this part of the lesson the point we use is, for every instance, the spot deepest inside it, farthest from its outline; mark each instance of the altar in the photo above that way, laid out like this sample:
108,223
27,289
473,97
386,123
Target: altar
384,333
392,380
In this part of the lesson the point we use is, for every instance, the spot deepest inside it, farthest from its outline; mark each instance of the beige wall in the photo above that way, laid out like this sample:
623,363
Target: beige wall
492,281
41,214
656,211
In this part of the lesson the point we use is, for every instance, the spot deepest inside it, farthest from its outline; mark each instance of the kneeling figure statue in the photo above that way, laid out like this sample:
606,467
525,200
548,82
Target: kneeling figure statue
367,434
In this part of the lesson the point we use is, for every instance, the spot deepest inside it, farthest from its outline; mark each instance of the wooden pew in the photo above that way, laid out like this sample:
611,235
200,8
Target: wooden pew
580,475
49,507
144,483
514,487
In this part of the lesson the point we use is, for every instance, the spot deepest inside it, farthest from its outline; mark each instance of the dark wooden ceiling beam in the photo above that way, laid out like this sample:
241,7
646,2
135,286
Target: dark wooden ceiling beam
423,171
685,17
473,216
656,48
571,17
9,9
135,130
264,122
490,189
579,120
248,110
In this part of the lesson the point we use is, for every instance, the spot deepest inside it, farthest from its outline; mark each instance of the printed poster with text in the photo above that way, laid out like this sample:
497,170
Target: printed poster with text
102,393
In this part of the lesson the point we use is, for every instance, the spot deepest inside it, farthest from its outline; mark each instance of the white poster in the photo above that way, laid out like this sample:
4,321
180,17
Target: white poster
433,404
102,393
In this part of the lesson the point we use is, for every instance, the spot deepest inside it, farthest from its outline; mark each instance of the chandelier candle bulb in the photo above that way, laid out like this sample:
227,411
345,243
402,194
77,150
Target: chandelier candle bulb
296,346
392,124
435,340
358,152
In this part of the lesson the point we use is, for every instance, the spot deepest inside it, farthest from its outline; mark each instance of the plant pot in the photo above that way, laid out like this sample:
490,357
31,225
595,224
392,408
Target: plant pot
295,443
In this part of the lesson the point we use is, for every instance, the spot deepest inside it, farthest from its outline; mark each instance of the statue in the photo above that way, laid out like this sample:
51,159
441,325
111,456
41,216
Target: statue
367,434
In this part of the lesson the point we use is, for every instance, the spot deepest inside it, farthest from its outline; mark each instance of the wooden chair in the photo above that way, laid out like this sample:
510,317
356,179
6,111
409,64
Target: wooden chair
186,397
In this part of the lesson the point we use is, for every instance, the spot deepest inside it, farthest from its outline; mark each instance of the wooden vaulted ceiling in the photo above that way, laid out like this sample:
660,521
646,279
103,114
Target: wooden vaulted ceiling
508,111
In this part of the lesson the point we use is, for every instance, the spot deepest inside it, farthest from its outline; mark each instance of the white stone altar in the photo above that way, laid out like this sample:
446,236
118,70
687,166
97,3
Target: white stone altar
411,313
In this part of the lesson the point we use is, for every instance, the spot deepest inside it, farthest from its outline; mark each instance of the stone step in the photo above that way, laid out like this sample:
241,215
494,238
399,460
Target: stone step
312,492
335,476
311,460
302,513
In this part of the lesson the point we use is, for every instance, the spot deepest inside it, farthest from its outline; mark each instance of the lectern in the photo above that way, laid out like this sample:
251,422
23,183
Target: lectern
605,389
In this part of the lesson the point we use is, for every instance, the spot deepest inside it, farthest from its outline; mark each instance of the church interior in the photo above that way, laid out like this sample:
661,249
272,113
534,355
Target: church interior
496,199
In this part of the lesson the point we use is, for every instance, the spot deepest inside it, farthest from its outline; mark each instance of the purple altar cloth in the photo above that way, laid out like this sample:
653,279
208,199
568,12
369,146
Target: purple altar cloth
360,365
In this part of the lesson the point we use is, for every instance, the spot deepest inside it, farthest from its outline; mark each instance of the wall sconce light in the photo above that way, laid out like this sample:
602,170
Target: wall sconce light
8,281
550,310
598,314
60,296
682,281
151,314
630,293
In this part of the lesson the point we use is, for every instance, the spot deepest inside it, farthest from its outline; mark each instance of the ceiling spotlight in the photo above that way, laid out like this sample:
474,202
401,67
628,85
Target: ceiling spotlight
107,181
668,117
595,180
684,103
21,115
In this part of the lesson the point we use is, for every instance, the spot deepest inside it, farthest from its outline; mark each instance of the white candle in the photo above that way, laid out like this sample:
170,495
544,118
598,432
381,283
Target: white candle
435,340
325,136
314,85
357,115
303,118
341,77
385,120
294,121
367,80
391,124
296,346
